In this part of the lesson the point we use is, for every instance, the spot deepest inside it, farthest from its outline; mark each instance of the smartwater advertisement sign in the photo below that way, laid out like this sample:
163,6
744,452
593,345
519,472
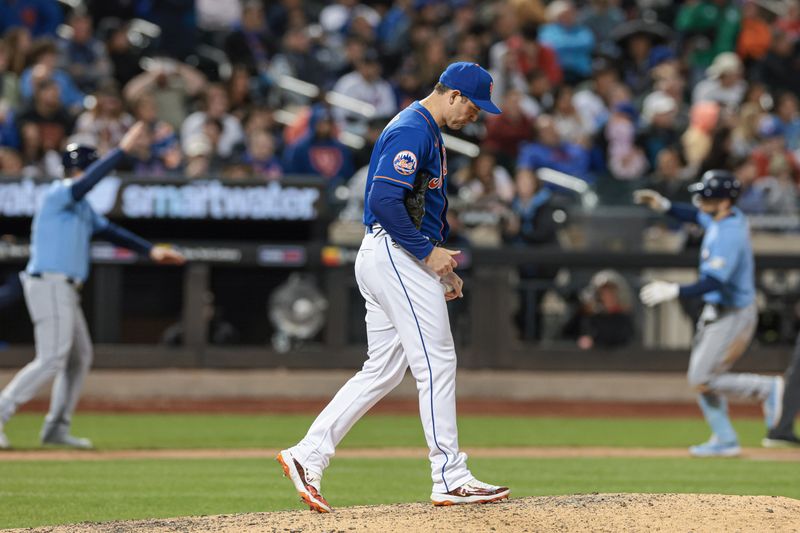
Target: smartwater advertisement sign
195,200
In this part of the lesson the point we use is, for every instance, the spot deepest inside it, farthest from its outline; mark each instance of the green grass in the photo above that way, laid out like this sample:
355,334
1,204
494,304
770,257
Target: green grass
52,492
64,492
169,431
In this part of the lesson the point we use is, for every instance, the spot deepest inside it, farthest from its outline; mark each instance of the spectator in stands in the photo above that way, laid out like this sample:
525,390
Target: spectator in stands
569,123
744,137
157,155
532,221
9,100
593,101
176,18
337,16
82,56
772,158
789,23
392,30
103,125
484,179
198,154
215,19
709,28
40,17
124,59
19,43
723,83
163,141
215,106
720,156
260,156
318,152
668,79
252,43
506,131
755,34
601,16
696,140
766,195
45,124
242,94
513,60
432,60
9,81
636,63
43,59
777,69
788,113
297,59
626,160
550,152
365,84
10,161
605,316
671,178
572,42
538,97
659,126
170,83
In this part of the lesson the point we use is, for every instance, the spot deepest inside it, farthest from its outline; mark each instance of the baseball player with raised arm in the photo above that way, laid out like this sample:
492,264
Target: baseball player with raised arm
406,278
61,233
728,321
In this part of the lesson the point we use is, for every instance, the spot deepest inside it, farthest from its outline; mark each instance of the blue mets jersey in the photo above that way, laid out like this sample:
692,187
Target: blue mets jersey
410,153
727,256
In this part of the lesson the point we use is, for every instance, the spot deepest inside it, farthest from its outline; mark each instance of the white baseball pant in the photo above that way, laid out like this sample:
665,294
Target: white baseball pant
407,326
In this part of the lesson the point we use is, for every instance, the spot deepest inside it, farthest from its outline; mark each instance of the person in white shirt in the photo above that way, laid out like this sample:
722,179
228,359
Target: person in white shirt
216,107
365,84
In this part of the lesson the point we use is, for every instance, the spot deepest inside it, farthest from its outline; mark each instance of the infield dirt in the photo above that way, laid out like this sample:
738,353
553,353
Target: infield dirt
586,512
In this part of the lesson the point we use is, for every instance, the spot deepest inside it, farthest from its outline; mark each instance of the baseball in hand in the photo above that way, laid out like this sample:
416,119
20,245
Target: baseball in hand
448,288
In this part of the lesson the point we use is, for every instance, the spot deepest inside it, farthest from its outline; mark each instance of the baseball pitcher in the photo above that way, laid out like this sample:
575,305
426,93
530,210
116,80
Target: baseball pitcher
406,277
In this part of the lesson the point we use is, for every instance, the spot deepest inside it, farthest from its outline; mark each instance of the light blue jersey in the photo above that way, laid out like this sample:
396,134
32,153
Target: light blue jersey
61,233
726,255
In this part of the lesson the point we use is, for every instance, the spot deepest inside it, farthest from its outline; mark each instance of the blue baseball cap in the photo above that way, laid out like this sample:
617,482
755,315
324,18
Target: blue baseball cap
472,81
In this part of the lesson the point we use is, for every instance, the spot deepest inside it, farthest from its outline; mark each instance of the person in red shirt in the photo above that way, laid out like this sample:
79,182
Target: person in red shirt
505,132
527,53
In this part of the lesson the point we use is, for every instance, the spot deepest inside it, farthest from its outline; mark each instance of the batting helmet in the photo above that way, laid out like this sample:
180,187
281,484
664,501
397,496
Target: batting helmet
717,184
78,156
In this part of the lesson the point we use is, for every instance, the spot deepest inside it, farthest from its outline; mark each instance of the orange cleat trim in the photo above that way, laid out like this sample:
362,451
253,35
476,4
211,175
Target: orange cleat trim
314,506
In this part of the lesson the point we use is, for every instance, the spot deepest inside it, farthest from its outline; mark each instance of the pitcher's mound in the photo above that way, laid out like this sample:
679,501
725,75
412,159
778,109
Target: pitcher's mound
586,512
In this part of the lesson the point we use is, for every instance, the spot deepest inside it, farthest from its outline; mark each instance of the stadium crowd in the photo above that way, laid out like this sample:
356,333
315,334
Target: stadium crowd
619,93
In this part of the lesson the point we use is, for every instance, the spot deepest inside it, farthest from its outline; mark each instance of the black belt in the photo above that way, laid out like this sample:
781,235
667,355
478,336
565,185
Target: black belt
72,281
376,228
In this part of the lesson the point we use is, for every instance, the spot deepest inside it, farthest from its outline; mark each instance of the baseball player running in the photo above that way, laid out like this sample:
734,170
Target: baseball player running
783,435
728,321
403,272
58,267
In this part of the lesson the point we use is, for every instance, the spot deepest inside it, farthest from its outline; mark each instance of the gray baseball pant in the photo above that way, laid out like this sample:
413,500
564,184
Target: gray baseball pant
63,352
721,339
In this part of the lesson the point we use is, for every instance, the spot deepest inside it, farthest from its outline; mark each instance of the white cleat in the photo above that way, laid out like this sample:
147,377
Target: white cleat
471,492
306,483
